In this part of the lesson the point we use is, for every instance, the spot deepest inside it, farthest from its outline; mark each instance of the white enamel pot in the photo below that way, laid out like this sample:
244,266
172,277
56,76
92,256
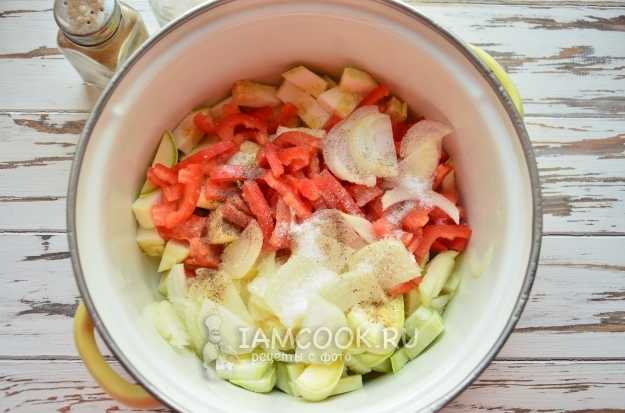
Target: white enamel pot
196,58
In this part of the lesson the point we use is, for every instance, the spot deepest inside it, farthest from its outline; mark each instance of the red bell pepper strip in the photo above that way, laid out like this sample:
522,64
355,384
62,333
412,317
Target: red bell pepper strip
234,215
433,232
257,203
161,210
374,209
280,235
203,254
229,109
308,189
295,138
334,194
314,167
173,193
382,227
330,123
288,113
264,114
458,244
191,177
416,219
377,94
301,153
286,192
204,155
239,203
363,194
192,228
204,122
438,246
417,236
399,130
227,126
226,173
275,163
404,287
441,172
406,238
161,175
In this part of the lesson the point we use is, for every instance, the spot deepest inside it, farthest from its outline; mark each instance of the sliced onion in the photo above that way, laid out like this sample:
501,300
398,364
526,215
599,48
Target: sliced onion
240,255
363,227
408,188
336,150
445,204
423,131
371,145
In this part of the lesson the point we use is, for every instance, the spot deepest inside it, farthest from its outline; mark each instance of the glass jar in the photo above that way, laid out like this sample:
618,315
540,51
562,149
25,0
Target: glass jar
97,36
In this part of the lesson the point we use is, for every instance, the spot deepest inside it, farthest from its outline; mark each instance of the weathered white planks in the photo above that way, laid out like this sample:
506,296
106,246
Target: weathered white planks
64,386
559,321
566,61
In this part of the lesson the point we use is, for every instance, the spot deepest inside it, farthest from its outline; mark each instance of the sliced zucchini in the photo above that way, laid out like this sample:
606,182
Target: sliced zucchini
308,109
399,359
220,231
436,274
186,134
355,364
339,101
317,381
174,253
347,384
251,366
383,367
412,301
452,283
162,285
319,133
142,208
287,374
262,385
396,109
440,302
426,325
240,255
357,81
150,242
306,79
175,283
253,94
379,326
166,154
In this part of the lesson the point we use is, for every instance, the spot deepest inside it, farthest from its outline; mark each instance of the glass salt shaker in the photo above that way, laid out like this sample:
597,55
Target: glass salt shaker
97,36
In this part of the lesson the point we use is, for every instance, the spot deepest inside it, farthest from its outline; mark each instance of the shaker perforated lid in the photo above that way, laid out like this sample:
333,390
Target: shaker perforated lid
87,22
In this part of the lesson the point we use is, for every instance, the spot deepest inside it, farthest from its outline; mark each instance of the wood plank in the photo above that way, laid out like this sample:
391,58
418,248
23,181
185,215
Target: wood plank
574,70
504,387
575,310
580,163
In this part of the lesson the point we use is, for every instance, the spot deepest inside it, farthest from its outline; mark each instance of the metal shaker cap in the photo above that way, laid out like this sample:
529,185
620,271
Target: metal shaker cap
87,22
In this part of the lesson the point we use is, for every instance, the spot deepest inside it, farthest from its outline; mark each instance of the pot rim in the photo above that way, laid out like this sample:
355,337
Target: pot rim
487,74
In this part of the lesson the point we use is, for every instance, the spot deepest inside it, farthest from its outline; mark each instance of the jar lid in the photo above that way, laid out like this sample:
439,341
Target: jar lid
87,22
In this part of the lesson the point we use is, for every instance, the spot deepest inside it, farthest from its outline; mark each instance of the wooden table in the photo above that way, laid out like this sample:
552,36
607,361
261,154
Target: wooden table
568,350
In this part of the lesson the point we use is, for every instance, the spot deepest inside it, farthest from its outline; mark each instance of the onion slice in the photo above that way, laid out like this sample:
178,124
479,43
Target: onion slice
371,145
424,130
445,204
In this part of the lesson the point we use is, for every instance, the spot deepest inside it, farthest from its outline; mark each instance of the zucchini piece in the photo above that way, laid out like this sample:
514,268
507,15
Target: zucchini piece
217,109
175,283
186,134
356,365
264,384
397,109
251,366
287,373
357,81
436,274
319,133
166,154
253,94
399,359
317,381
412,301
347,384
142,208
150,242
220,231
380,326
383,367
306,79
452,283
339,101
162,285
174,253
308,109
330,81
439,303
168,324
426,326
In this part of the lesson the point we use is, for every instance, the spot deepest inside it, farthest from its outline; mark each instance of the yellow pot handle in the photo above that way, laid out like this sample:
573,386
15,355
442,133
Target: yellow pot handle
503,77
117,387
